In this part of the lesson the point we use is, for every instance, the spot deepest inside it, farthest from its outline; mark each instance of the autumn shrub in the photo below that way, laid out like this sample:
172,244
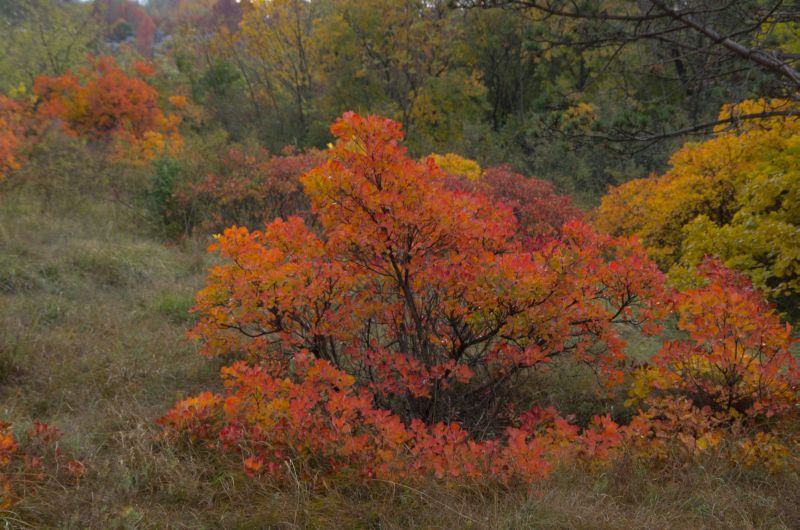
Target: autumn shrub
423,309
321,423
540,211
251,187
11,135
112,108
88,134
732,373
735,196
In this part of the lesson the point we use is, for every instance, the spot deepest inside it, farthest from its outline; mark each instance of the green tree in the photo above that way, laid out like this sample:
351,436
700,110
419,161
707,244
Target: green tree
43,37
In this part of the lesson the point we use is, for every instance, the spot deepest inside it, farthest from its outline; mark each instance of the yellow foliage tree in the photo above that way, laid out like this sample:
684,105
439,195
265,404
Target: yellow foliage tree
735,196
453,164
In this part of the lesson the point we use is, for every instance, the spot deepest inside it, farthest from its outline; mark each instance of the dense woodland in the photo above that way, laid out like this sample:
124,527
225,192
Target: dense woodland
399,263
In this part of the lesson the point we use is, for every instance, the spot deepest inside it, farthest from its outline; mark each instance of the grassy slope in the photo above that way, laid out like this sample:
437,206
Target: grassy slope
92,322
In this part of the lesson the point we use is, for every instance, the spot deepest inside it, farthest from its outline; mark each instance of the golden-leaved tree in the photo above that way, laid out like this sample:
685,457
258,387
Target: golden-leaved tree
735,196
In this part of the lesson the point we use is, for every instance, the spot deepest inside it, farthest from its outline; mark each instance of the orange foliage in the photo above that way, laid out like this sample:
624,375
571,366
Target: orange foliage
11,133
8,449
322,423
414,306
107,105
23,466
732,373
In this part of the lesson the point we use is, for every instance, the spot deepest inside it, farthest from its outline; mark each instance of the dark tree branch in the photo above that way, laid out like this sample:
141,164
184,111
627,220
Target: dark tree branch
701,128
766,60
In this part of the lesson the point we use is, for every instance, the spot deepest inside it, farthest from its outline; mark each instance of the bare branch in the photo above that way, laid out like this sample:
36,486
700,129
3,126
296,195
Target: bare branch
767,60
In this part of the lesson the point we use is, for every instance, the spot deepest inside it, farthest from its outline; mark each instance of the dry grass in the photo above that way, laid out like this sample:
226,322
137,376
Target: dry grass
92,320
